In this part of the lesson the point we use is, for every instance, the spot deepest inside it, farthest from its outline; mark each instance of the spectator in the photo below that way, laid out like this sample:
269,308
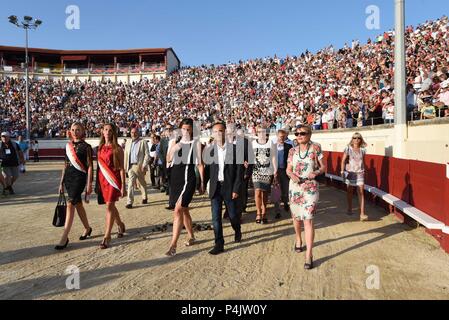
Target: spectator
11,157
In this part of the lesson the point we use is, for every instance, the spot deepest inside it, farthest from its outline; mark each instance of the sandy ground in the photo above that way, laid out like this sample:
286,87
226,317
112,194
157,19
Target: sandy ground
264,266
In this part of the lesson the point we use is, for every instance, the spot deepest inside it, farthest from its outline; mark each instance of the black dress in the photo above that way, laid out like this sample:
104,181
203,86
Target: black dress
75,180
182,176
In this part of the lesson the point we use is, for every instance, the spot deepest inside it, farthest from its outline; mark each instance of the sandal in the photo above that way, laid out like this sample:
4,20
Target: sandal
363,217
171,252
121,230
190,242
309,265
258,220
105,244
298,249
264,220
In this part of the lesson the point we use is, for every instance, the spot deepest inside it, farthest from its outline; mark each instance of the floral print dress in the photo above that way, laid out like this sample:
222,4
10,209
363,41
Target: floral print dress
304,195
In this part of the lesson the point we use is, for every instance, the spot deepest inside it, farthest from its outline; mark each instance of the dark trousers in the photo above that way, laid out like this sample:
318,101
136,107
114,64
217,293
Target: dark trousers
216,206
284,182
242,200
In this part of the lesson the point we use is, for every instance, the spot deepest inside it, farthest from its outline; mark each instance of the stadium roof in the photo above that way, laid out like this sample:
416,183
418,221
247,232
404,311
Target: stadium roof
91,52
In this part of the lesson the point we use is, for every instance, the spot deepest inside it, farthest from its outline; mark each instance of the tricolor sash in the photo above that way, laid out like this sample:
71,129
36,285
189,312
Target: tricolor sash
74,160
108,174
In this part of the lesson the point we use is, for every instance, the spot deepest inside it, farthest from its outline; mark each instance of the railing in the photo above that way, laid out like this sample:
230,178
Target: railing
94,69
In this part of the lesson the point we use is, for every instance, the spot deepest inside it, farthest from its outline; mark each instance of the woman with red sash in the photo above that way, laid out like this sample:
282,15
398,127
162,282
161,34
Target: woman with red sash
77,176
111,179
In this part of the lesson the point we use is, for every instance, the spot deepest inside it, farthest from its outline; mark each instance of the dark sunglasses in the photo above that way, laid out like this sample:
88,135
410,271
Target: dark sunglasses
302,134
356,138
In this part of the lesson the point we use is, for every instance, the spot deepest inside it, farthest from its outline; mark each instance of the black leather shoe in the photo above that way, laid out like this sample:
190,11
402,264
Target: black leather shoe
287,207
278,216
129,206
216,250
145,201
238,237
84,237
169,208
58,247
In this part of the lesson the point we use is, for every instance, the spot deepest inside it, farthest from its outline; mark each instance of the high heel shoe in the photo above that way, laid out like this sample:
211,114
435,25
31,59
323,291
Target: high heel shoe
363,217
190,242
84,237
171,252
121,230
264,220
298,249
258,220
59,247
105,244
309,265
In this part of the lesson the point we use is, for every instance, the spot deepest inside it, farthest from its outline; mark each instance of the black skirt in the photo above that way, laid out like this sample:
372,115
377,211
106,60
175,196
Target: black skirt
182,184
75,183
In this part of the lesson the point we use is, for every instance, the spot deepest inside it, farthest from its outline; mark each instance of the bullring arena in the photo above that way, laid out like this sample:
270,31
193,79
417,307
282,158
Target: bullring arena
401,252
411,263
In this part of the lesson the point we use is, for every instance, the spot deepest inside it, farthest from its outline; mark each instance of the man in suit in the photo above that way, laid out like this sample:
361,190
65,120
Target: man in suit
245,149
225,178
283,148
137,159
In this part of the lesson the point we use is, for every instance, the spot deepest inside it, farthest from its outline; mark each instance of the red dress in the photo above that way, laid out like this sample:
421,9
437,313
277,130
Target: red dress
110,193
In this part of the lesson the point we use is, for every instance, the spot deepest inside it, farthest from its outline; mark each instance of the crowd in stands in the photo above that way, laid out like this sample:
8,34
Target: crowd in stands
333,88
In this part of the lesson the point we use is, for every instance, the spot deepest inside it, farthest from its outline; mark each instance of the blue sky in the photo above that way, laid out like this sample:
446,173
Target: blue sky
208,31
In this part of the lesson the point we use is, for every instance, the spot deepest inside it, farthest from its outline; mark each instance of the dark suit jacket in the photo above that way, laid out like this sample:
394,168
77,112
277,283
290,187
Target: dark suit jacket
287,147
248,155
233,172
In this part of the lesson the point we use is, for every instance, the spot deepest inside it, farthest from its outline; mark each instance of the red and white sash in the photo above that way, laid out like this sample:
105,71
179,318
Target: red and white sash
74,160
110,177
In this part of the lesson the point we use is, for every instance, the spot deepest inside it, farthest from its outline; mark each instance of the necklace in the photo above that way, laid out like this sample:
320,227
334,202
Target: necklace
307,153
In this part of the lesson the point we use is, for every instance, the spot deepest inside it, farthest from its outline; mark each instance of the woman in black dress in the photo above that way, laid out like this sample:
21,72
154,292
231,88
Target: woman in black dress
77,172
185,155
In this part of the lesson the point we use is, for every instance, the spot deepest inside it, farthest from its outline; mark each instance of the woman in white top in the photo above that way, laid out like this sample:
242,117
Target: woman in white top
353,171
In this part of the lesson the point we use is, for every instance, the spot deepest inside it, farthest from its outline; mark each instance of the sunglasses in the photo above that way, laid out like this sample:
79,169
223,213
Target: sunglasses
302,134
356,138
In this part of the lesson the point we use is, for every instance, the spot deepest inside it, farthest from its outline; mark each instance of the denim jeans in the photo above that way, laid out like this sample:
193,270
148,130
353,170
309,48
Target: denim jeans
216,206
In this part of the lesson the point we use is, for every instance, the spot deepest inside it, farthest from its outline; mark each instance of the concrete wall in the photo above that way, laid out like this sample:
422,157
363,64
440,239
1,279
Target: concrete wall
427,140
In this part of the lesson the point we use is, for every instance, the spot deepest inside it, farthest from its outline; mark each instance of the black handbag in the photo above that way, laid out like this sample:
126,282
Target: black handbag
60,211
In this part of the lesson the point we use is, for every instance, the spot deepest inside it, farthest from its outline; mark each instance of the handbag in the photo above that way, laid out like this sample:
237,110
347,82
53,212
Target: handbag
275,193
60,211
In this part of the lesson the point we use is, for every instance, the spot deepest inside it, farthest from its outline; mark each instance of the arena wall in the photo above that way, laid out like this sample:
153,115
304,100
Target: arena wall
427,140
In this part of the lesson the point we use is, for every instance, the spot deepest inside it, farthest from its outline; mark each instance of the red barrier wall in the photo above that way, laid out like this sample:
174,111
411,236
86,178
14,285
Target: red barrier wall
423,185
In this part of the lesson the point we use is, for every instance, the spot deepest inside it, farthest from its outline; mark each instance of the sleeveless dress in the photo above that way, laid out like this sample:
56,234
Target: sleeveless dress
75,180
263,169
304,196
110,194
182,176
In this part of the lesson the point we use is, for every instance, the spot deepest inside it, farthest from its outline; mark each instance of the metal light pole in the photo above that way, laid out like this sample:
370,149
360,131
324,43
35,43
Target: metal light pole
400,122
27,23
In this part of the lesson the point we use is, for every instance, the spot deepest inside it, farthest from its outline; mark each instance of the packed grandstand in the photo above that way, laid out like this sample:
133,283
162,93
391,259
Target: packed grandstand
333,88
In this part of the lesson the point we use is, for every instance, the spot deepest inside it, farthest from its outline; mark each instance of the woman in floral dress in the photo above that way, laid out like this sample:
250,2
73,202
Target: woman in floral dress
303,166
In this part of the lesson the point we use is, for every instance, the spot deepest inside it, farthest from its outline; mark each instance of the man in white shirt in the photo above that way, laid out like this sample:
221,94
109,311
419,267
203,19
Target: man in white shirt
225,177
136,162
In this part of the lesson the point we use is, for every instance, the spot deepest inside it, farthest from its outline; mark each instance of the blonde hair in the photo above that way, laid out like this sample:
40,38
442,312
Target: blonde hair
363,144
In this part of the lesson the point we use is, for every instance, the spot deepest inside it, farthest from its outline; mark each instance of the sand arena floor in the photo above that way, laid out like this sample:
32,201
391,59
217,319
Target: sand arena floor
410,263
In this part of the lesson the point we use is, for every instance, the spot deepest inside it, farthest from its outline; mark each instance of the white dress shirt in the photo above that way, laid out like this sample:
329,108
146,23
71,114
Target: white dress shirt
134,151
221,161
